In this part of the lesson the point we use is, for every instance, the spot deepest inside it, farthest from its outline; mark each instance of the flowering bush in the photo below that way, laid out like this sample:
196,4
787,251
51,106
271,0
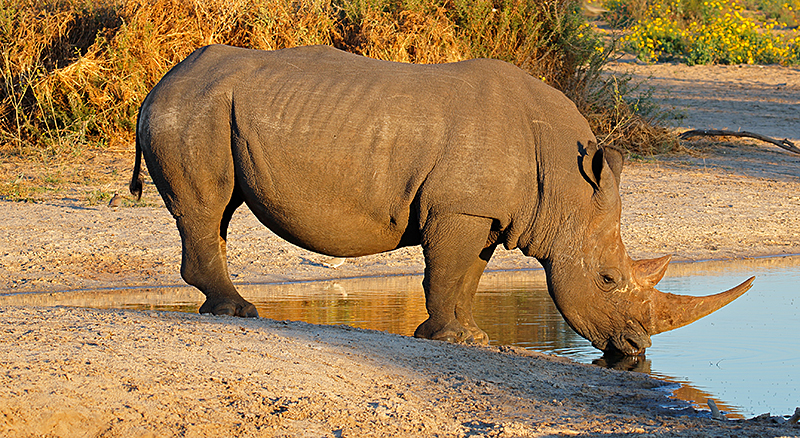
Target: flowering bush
718,31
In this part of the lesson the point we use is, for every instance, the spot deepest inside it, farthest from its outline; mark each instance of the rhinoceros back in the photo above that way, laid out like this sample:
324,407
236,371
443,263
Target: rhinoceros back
326,145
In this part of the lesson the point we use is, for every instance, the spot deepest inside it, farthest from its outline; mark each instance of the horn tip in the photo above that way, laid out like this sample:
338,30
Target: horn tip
739,290
747,284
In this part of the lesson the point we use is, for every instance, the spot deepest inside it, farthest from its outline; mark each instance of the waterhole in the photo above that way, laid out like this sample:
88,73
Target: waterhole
745,356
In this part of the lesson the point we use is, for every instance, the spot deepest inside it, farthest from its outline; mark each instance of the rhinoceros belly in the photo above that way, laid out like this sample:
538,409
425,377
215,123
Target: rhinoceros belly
330,214
327,196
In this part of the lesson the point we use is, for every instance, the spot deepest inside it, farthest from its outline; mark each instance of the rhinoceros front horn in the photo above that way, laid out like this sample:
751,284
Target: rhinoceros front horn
671,311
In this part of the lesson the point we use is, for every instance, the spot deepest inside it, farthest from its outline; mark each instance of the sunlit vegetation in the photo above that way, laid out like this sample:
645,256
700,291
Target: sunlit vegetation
74,72
709,31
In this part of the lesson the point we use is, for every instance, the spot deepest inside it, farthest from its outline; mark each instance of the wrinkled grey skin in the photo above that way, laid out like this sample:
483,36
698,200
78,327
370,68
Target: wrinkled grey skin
348,156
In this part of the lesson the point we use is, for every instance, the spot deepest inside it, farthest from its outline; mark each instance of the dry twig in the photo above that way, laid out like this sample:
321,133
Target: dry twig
785,144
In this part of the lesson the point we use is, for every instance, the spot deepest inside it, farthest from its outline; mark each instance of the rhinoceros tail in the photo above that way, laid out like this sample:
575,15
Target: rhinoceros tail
136,180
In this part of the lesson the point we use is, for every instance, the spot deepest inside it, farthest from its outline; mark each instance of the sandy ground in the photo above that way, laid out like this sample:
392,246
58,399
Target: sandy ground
84,372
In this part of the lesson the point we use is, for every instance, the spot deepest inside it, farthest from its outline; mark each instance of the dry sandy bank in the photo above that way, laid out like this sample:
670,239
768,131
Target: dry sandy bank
79,372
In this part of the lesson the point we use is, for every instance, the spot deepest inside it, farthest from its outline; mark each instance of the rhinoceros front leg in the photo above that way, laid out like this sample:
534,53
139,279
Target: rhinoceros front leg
469,285
204,261
452,246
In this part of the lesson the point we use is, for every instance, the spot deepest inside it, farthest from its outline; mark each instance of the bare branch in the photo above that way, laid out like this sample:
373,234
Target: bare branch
785,144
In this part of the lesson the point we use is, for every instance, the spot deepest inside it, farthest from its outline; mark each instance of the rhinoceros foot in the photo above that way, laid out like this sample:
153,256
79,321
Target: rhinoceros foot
478,336
453,332
229,307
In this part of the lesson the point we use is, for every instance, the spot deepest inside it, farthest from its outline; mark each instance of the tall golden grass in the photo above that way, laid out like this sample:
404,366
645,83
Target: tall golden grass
74,72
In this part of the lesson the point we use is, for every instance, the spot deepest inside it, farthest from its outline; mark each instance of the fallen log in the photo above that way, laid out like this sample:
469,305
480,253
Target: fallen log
785,144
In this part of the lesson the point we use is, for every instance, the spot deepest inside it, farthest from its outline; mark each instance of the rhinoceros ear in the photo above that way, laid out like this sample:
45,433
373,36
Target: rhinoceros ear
596,159
614,158
592,164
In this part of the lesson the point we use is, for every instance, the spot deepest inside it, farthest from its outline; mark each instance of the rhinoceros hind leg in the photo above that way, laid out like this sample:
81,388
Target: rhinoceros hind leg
204,262
453,246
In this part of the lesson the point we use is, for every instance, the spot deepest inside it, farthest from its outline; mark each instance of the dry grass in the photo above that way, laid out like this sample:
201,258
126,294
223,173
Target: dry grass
75,71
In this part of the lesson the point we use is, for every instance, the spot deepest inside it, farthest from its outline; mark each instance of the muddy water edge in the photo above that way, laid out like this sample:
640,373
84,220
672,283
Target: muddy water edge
744,356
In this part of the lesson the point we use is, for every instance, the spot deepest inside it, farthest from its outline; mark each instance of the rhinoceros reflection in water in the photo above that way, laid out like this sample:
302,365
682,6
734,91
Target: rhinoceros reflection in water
349,156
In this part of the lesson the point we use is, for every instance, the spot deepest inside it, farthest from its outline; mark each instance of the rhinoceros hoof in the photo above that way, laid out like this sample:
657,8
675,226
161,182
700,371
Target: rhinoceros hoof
479,336
230,308
453,332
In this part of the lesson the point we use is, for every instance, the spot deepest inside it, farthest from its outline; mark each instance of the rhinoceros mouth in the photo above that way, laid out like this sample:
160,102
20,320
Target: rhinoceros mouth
625,344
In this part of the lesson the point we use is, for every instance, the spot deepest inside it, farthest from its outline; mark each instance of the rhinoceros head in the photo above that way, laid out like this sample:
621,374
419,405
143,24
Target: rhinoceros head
603,294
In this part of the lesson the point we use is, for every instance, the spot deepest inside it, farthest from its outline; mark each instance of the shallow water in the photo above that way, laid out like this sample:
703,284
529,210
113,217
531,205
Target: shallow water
747,353
746,356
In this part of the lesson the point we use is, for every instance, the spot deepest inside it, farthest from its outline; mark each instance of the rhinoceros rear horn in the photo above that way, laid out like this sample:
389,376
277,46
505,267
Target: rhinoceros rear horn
671,311
649,272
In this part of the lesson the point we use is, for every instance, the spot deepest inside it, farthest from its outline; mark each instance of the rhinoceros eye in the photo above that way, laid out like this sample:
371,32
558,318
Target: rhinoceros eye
608,280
